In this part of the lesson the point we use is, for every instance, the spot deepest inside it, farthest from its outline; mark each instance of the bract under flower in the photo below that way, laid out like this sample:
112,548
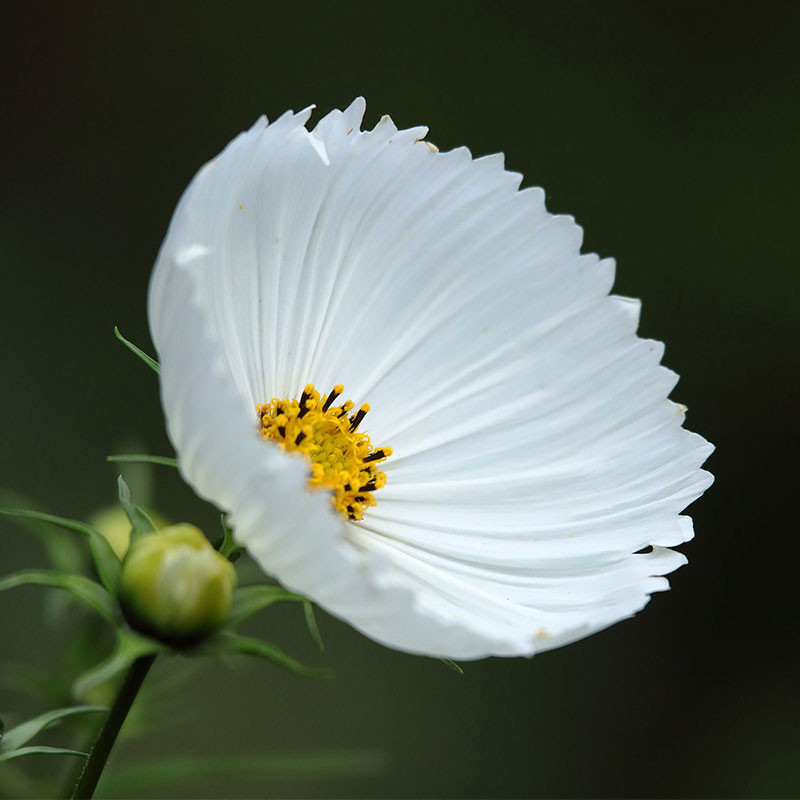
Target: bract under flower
534,448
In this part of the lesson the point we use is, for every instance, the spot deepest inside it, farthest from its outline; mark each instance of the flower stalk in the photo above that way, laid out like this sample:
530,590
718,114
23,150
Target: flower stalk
93,768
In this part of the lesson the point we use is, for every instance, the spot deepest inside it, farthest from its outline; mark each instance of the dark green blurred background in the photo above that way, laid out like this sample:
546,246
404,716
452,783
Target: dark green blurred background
670,131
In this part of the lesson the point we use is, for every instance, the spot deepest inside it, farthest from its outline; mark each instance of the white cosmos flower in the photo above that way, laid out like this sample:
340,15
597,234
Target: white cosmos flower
535,451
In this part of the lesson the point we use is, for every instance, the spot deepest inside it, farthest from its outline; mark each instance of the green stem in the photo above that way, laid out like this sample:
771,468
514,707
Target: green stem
93,769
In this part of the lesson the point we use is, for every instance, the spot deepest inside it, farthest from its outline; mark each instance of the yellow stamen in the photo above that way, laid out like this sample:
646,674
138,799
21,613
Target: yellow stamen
343,460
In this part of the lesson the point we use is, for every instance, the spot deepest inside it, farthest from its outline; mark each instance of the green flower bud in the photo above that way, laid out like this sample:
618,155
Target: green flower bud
175,586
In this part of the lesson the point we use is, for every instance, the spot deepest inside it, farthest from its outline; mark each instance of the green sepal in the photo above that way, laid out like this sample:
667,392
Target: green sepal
105,559
14,738
151,362
40,751
129,646
448,662
311,625
143,458
77,585
229,643
140,522
247,600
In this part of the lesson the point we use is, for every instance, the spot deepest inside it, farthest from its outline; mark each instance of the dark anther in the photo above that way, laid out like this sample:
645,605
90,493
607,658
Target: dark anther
300,437
348,487
369,486
356,421
378,454
303,400
282,430
331,397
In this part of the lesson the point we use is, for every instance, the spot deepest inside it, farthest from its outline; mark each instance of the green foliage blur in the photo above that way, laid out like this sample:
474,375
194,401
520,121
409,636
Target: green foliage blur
669,130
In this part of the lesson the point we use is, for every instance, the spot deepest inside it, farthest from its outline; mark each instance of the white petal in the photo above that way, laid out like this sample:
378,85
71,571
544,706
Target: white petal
292,532
535,449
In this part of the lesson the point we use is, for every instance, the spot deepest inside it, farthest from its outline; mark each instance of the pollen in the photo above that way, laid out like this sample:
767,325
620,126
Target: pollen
342,459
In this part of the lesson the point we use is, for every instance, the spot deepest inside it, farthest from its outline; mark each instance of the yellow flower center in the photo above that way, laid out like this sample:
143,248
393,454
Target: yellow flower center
343,460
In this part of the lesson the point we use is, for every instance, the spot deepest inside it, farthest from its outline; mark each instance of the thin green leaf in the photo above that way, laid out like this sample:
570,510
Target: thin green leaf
23,733
185,772
311,625
452,665
151,362
228,548
128,648
142,458
247,600
231,643
40,751
77,585
64,552
105,559
140,522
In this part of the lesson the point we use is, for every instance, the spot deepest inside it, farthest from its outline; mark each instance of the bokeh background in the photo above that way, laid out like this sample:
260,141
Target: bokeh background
669,130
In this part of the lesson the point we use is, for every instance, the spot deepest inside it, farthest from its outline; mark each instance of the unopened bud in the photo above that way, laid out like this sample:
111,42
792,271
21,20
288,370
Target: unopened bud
175,586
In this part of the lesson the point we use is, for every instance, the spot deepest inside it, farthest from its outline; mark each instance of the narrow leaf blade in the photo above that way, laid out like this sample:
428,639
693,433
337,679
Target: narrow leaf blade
140,522
105,559
229,546
452,665
234,644
151,362
247,600
24,732
311,625
39,751
77,585
143,458
64,552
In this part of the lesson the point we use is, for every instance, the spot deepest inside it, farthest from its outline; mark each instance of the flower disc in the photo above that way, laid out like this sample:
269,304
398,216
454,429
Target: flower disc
535,452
